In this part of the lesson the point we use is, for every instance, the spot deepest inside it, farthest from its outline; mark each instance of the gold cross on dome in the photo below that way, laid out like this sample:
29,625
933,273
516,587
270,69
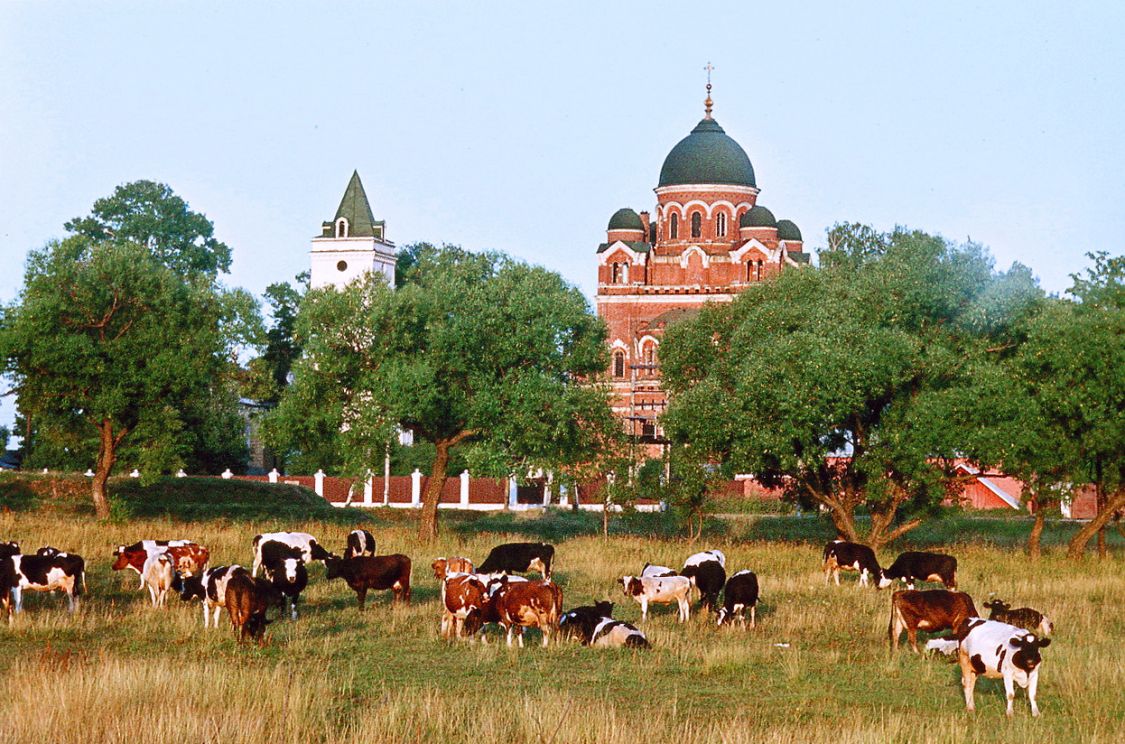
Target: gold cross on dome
708,103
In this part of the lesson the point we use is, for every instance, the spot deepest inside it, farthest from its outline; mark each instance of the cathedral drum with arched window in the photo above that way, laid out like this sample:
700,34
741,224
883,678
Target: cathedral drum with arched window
707,240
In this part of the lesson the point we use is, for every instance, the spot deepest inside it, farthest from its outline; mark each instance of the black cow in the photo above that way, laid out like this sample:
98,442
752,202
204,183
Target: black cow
708,576
360,542
373,572
579,623
740,592
519,558
848,556
917,566
285,570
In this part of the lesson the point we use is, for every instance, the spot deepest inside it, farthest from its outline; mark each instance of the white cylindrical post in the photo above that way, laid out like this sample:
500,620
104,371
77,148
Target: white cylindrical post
135,474
227,474
367,486
416,487
513,492
180,473
89,473
465,488
547,489
274,475
318,483
564,495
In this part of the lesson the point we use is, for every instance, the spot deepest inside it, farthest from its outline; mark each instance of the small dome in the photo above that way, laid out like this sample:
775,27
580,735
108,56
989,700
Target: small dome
787,230
707,156
759,216
626,219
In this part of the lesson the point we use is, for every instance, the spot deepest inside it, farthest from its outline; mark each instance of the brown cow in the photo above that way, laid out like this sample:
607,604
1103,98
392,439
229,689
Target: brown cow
529,604
188,558
372,572
247,600
463,600
444,566
931,610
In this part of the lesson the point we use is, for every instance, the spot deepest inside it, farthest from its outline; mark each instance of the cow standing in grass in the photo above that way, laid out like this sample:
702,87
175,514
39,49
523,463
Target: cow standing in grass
379,572
992,649
840,555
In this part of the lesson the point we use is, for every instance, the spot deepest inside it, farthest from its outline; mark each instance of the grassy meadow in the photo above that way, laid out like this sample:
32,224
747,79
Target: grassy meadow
817,668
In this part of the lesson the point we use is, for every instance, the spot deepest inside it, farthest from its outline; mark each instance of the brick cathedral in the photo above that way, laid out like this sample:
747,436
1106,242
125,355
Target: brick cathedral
707,241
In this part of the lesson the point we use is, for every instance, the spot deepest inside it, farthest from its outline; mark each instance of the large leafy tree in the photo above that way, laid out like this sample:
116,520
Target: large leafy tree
122,342
847,385
475,350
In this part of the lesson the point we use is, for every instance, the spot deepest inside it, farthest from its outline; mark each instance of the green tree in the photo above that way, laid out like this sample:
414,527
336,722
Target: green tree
845,385
472,349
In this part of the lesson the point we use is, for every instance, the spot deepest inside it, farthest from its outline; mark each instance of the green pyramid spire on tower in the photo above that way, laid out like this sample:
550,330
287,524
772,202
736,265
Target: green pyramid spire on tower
355,208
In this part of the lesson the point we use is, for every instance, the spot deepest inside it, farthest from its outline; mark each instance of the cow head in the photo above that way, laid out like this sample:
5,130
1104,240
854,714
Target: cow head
332,567
884,580
438,566
1027,651
121,558
605,607
46,551
318,553
189,587
997,606
631,585
9,549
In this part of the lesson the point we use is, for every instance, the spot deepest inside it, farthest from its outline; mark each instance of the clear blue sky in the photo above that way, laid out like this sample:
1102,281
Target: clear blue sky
522,127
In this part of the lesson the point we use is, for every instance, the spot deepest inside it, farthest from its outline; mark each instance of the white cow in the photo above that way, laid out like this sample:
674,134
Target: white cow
158,575
659,590
996,649
706,555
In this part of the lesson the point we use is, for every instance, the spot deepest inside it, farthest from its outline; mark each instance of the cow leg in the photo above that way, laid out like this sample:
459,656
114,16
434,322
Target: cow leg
1009,693
912,635
968,680
207,615
519,635
836,575
753,617
510,629
1032,687
294,607
644,608
546,635
17,597
361,594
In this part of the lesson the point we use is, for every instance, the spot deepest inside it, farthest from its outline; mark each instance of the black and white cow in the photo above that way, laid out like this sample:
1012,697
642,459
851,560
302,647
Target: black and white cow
284,568
72,562
707,571
840,555
579,622
994,649
519,558
210,588
360,542
8,549
43,573
653,571
306,543
740,592
912,567
659,590
610,633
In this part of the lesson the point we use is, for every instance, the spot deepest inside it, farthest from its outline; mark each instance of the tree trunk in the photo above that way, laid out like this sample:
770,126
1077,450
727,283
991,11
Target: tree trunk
107,455
1033,550
843,517
1101,499
428,527
1078,543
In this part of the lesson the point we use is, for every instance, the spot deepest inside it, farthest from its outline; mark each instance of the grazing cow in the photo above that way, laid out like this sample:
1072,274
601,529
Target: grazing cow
43,573
708,574
158,575
283,567
373,572
463,600
247,601
360,542
740,592
659,590
706,555
529,604
306,543
848,556
580,622
995,649
931,610
611,633
445,566
918,566
654,571
188,558
210,588
1021,617
8,584
71,562
519,558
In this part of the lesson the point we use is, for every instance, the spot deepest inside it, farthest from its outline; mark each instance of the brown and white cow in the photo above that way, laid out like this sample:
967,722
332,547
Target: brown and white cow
931,610
647,590
464,597
247,600
158,575
189,558
529,604
453,565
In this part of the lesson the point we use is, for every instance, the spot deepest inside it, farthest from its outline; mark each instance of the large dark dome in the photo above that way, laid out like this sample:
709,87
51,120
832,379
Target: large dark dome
707,156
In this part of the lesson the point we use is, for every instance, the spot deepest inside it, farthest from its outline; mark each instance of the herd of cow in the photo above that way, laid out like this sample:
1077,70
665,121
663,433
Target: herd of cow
494,593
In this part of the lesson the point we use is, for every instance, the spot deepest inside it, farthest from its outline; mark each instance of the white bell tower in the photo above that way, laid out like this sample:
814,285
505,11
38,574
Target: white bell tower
352,244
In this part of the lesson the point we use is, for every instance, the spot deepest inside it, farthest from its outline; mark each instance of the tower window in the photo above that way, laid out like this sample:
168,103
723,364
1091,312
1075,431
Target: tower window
674,227
342,228
696,224
618,364
341,266
721,225
624,273
650,353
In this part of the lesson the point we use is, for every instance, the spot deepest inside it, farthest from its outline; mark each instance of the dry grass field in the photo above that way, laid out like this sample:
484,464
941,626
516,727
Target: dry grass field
816,669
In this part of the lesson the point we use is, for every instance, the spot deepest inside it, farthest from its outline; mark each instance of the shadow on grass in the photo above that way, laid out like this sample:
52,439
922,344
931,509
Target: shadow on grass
16,495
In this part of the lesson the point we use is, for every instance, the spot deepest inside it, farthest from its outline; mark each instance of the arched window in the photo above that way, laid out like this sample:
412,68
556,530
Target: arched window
618,364
696,224
759,270
749,271
721,225
342,228
674,227
649,353
624,273
614,272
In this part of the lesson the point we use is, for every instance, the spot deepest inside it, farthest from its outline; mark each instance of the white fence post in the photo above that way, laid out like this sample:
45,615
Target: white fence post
135,474
274,475
318,482
513,492
416,487
564,495
368,485
227,474
465,488
180,473
547,489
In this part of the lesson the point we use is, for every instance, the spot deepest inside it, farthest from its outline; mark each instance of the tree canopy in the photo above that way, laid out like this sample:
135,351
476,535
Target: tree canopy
847,385
471,349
